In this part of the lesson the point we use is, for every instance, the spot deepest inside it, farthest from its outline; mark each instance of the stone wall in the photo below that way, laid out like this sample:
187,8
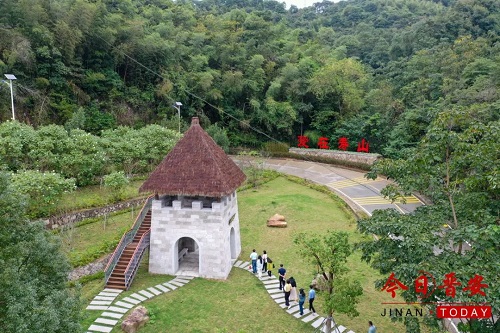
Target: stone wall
55,222
89,269
365,158
210,228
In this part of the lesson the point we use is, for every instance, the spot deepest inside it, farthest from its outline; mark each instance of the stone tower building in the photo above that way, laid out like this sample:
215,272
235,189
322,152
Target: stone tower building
195,227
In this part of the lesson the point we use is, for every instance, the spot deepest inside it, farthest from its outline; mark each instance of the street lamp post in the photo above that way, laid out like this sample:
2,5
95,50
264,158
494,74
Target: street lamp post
178,105
11,77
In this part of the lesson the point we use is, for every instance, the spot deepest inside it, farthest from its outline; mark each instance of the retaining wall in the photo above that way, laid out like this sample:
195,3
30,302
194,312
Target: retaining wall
365,158
55,222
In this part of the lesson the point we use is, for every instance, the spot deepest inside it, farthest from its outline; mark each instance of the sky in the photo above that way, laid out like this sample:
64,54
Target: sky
302,3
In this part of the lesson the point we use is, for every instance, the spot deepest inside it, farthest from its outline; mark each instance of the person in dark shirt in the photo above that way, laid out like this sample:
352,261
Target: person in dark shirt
287,289
293,292
282,274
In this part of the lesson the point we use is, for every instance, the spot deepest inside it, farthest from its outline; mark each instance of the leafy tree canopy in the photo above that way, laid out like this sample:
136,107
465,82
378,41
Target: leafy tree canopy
34,296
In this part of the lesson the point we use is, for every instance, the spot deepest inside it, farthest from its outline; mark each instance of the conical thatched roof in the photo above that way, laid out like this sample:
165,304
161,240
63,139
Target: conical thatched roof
196,166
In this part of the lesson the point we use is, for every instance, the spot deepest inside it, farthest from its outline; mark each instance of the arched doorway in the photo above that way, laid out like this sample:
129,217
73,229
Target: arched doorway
187,257
232,241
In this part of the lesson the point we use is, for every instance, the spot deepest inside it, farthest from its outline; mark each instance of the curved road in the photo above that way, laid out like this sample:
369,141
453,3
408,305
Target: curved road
362,195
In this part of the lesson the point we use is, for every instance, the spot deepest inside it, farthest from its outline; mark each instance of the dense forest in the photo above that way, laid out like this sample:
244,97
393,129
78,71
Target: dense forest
96,81
378,69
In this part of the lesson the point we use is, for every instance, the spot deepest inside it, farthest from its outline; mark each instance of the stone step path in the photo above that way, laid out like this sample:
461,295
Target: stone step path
104,299
271,284
114,311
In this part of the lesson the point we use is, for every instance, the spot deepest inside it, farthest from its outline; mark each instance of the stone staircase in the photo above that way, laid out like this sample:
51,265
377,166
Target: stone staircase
271,284
126,259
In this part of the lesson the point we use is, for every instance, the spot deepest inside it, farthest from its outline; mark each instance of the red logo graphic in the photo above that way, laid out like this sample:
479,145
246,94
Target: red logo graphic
393,284
303,140
475,286
449,282
363,146
343,143
323,143
422,284
473,312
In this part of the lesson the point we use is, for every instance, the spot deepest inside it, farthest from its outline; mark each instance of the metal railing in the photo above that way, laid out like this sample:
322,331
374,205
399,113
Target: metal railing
127,239
132,266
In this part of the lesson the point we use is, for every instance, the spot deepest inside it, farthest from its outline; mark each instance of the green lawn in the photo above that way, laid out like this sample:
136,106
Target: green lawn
96,196
91,241
241,304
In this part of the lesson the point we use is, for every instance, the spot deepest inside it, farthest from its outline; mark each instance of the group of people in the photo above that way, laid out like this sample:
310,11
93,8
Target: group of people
262,263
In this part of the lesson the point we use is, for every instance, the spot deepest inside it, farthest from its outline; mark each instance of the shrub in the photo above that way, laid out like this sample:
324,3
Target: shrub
116,181
276,147
43,189
220,136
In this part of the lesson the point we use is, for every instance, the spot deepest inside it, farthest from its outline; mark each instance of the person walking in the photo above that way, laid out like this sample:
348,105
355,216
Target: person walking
293,292
302,299
282,274
260,263
312,295
287,289
253,257
270,266
371,327
264,258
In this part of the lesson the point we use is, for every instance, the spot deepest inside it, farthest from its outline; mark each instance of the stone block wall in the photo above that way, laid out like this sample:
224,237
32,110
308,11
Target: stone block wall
210,228
365,158
55,222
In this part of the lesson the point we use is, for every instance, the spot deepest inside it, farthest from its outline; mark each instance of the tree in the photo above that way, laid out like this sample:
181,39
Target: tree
43,190
34,297
456,166
16,141
116,181
329,253
341,84
220,136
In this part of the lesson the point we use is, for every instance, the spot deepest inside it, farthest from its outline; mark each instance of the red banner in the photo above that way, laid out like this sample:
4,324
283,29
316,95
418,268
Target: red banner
472,312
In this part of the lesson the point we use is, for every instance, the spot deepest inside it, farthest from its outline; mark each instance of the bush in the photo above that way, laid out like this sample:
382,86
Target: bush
220,136
44,190
275,147
313,138
116,181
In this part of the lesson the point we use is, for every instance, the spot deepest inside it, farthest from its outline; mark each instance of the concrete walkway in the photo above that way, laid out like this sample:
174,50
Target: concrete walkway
361,194
114,311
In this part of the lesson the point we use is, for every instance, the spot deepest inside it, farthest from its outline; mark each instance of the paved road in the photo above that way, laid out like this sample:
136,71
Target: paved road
363,195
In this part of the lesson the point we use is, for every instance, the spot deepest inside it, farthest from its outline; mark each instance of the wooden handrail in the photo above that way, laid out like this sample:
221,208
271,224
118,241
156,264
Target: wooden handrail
123,241
133,263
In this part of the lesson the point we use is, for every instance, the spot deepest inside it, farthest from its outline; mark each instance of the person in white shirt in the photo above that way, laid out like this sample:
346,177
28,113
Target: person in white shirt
254,257
260,264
